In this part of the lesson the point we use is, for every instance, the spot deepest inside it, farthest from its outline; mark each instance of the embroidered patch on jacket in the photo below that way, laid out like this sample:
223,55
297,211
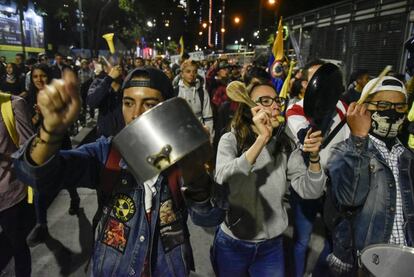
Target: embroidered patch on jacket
171,226
123,208
115,234
167,214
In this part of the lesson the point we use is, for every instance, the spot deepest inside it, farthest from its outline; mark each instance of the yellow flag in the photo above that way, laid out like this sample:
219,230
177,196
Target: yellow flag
278,43
411,114
285,87
181,45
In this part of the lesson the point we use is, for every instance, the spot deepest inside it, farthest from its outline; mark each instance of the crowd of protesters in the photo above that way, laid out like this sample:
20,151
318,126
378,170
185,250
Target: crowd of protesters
365,170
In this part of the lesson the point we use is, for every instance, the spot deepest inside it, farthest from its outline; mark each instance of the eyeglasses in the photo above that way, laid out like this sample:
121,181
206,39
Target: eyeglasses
268,101
385,105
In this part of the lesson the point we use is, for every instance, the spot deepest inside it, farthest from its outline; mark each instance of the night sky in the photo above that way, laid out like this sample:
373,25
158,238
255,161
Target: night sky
248,10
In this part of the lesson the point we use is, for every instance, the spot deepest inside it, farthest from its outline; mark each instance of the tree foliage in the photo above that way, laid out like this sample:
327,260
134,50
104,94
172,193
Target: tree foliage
124,17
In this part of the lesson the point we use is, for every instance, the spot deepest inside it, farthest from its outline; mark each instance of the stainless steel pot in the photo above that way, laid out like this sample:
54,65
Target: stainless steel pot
160,138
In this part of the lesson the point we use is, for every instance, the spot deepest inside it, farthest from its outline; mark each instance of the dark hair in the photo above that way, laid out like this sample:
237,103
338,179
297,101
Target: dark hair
15,69
296,88
31,61
311,64
20,55
357,74
258,73
43,67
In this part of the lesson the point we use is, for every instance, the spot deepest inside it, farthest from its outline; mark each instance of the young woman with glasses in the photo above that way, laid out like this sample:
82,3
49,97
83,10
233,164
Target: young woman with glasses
256,161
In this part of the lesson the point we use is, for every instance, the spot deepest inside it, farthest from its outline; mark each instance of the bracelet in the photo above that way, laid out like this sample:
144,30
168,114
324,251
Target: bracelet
49,132
315,162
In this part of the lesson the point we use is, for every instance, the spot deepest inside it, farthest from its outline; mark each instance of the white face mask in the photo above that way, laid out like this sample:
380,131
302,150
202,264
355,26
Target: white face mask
386,124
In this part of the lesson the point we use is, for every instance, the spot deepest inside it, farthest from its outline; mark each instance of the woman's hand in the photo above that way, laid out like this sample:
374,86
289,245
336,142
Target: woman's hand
312,143
262,123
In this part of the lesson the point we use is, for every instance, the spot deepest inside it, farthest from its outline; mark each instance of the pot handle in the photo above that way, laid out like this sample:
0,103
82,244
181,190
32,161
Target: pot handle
161,160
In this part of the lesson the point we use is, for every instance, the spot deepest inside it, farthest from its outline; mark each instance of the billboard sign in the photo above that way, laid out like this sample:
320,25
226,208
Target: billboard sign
10,28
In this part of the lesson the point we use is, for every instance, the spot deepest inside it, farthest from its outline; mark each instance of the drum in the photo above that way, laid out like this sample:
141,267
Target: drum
161,137
384,260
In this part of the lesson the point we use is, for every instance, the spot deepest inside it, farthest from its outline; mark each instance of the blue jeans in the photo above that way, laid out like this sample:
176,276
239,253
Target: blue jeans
233,257
305,212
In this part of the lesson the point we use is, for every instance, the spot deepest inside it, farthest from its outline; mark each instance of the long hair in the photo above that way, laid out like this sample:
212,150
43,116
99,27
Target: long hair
43,67
31,98
242,127
14,68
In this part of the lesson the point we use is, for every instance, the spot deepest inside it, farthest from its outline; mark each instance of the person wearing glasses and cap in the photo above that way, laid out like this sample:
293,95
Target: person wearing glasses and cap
255,161
143,229
372,175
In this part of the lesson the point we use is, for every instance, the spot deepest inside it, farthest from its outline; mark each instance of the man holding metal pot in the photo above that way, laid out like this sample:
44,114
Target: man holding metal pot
142,231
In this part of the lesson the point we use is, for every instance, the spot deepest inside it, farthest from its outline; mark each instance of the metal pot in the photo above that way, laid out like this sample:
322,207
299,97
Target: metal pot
160,138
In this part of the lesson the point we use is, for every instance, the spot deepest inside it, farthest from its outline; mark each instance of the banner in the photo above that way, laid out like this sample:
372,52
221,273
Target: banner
10,28
197,56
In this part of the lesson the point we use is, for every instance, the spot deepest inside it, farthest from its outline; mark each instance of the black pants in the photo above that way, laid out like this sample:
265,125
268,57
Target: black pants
16,223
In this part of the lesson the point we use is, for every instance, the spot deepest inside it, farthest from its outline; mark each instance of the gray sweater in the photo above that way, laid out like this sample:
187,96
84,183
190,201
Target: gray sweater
256,191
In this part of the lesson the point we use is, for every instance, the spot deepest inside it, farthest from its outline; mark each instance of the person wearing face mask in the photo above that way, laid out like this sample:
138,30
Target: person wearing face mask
255,162
371,173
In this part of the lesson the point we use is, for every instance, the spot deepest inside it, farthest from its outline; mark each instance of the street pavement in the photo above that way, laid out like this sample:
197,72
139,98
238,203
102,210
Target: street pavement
67,251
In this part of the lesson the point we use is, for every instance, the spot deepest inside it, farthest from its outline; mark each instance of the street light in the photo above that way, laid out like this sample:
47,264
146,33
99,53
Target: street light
204,25
223,30
242,39
237,20
169,38
200,33
236,42
272,2
150,24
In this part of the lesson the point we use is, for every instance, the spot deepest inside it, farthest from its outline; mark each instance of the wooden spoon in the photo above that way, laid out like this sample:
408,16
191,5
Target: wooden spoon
237,92
373,86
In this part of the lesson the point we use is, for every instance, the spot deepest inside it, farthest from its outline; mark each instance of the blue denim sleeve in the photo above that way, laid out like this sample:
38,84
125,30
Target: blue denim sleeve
211,211
79,167
206,213
348,169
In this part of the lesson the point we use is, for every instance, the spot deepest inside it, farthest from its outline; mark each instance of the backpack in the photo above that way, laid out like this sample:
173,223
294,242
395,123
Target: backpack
339,221
10,123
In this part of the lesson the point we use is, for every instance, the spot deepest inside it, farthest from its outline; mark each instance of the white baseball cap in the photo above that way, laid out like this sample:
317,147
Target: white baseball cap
386,83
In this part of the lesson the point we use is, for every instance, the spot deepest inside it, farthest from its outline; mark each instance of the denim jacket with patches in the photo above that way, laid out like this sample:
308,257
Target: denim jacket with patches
125,236
362,179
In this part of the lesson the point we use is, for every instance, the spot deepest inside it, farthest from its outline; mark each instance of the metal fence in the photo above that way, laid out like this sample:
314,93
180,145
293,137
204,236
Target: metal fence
367,34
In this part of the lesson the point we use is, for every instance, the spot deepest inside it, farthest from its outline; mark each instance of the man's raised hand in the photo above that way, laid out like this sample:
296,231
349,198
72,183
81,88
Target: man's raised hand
60,103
